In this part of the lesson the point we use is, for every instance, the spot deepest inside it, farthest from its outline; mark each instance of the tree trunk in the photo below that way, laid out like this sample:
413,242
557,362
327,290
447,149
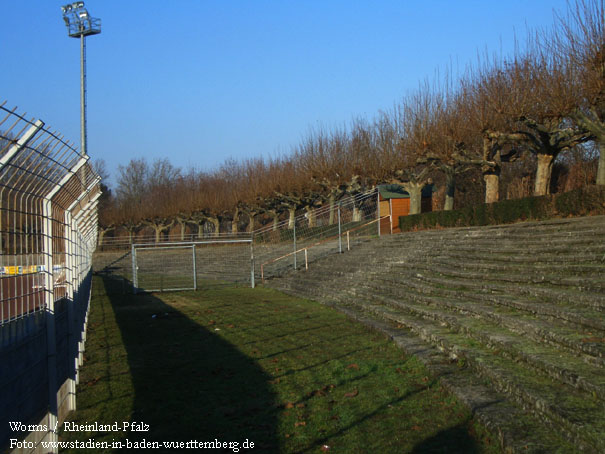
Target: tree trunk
200,230
158,232
130,235
415,191
450,189
331,201
183,226
601,168
275,221
414,188
310,216
356,214
292,218
217,225
543,174
251,222
492,186
100,237
595,125
235,221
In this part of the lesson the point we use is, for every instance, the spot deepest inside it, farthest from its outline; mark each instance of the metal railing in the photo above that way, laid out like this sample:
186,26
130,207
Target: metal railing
48,231
305,250
308,235
316,233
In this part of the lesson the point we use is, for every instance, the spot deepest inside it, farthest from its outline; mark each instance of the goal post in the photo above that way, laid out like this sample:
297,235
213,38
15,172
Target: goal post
189,265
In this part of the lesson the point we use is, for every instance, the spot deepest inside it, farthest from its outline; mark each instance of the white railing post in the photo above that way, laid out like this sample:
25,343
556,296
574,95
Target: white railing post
252,283
194,267
135,283
339,232
294,231
49,300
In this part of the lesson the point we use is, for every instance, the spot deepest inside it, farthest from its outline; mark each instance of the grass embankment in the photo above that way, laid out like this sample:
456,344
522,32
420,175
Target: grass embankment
287,374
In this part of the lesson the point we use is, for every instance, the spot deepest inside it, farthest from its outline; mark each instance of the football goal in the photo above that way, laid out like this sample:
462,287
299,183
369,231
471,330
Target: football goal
191,265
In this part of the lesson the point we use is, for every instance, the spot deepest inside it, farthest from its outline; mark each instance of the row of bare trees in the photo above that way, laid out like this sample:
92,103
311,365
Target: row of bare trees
526,111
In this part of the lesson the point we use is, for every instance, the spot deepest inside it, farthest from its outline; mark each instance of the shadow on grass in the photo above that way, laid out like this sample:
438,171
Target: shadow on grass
455,440
189,383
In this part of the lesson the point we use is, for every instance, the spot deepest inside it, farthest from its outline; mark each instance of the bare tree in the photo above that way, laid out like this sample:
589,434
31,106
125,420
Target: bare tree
579,42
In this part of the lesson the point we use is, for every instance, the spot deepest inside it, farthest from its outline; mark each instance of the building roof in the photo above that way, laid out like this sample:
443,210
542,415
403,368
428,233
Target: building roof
396,191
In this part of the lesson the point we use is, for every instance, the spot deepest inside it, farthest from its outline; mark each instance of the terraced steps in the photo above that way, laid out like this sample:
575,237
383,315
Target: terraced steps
520,307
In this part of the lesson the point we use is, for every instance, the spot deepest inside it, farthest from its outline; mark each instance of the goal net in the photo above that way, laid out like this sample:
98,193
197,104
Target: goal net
193,265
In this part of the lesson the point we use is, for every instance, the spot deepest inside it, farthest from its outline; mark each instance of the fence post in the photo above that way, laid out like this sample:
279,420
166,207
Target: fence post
71,303
51,341
22,142
339,231
294,230
252,262
378,210
194,267
135,283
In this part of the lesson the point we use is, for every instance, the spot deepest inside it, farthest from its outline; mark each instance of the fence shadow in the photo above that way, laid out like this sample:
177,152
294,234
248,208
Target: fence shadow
189,383
455,440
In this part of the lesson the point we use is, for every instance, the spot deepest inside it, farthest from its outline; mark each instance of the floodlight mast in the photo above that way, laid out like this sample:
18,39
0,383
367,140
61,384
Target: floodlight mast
80,25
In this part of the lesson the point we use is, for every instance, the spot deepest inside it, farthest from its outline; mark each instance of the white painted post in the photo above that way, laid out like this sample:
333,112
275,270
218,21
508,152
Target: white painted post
71,317
391,214
135,283
378,210
23,140
51,341
252,284
194,267
294,231
339,232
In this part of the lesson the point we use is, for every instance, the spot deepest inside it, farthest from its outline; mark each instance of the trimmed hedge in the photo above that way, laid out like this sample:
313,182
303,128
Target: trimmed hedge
579,202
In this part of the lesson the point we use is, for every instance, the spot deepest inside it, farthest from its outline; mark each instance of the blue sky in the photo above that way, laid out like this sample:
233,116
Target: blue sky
200,81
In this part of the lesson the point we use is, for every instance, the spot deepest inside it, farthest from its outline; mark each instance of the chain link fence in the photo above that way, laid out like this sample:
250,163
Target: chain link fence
48,231
311,235
242,258
189,266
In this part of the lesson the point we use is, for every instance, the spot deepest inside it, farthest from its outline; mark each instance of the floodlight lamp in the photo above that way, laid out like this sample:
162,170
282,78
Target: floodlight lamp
79,4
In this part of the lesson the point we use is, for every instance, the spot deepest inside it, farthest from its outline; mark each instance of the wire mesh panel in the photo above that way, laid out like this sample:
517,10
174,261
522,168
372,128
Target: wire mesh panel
189,266
164,268
334,228
48,229
225,261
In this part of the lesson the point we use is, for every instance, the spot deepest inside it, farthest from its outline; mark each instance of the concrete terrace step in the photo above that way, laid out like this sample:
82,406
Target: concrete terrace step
522,305
565,245
587,250
518,431
481,263
568,314
590,282
525,230
502,334
548,294
563,407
